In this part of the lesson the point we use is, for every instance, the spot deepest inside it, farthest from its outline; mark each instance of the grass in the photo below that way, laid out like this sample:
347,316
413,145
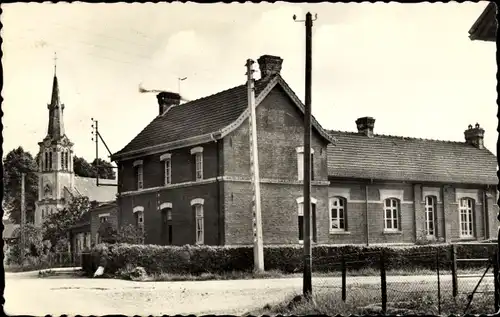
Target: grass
403,298
128,274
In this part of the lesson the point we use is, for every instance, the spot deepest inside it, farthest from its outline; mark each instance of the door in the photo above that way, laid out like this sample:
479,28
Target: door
166,226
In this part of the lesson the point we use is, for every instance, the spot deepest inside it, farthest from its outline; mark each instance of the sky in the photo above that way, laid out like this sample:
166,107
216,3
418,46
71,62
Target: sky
410,66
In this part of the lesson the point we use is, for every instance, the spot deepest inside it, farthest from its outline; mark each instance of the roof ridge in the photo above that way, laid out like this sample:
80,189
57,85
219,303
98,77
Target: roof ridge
397,137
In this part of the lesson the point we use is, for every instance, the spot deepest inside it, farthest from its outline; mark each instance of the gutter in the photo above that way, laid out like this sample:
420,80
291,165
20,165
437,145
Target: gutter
220,221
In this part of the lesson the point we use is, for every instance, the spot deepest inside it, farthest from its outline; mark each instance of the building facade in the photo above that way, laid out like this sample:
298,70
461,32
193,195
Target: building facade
58,183
184,179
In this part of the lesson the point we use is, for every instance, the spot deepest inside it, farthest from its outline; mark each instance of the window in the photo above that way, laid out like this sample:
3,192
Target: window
466,220
430,210
50,160
139,217
391,214
197,205
46,160
168,171
139,174
62,160
301,219
66,160
198,165
166,223
338,214
300,163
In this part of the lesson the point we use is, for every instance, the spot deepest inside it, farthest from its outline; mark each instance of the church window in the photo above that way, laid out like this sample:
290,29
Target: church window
62,160
50,160
67,160
46,160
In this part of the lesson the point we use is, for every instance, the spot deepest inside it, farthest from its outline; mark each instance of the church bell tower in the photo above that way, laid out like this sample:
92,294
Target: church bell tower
55,165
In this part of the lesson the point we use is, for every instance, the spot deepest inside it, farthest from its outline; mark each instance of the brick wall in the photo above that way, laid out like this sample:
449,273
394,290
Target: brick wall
183,217
280,130
95,219
182,167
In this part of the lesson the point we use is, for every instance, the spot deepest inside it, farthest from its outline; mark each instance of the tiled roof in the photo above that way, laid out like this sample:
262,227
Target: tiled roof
87,186
409,159
198,117
485,27
217,114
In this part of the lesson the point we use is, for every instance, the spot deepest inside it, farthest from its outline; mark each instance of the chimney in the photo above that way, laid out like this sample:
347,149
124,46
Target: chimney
269,66
366,125
166,100
474,136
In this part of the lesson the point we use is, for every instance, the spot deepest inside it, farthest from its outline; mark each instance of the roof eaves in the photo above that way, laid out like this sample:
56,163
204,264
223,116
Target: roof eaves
199,139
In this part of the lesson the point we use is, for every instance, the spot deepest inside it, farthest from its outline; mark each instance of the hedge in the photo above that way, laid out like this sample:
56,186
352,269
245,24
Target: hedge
288,259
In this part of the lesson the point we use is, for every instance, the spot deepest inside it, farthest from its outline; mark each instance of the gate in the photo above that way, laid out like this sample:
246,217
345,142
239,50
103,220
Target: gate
492,262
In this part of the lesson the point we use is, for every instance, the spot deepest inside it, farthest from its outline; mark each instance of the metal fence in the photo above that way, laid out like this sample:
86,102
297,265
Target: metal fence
446,285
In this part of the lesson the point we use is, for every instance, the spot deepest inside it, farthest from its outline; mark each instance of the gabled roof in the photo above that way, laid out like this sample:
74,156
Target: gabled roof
485,27
398,158
87,186
206,119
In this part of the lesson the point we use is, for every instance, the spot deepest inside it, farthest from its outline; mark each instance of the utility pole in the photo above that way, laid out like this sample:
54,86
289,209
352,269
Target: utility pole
307,281
23,217
96,136
258,251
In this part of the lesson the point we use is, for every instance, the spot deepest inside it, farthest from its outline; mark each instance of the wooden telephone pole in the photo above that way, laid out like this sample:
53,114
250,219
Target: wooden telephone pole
258,251
307,281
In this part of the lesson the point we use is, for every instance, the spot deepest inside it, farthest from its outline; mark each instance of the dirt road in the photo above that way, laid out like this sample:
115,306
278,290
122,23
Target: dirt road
27,294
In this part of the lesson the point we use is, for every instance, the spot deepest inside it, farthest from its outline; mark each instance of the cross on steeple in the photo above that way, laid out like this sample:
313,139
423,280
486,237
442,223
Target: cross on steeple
55,63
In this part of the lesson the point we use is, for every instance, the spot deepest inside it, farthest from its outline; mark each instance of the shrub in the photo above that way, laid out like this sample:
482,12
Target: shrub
288,259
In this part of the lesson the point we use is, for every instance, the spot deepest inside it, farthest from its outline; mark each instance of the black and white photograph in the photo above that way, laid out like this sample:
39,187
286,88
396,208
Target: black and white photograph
250,159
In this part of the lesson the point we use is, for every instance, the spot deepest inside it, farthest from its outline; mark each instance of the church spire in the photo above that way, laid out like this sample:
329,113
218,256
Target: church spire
56,124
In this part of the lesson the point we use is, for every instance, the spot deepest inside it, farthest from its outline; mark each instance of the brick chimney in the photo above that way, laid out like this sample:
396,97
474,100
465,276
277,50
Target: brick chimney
167,99
366,125
474,136
269,66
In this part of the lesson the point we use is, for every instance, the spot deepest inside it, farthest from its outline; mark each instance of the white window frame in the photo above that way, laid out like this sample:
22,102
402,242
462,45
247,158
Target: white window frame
198,161
468,212
139,211
103,216
167,161
339,207
198,204
394,210
140,174
300,162
430,215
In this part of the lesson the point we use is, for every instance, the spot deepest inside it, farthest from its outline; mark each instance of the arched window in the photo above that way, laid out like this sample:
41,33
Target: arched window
300,214
391,214
62,160
50,160
466,209
430,215
46,160
197,205
338,217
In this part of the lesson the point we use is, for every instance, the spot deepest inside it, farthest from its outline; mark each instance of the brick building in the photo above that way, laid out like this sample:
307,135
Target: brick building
185,177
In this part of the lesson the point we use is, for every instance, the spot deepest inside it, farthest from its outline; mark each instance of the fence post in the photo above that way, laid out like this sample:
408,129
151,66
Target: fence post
344,277
496,282
439,282
454,270
383,281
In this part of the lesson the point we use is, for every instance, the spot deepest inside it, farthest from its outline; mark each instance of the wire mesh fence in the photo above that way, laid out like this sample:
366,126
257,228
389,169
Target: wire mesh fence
372,283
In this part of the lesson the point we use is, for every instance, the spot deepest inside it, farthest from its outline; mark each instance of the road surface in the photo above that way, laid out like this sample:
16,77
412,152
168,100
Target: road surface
26,294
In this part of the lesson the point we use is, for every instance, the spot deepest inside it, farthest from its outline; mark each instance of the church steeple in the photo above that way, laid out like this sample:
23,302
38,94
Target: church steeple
55,130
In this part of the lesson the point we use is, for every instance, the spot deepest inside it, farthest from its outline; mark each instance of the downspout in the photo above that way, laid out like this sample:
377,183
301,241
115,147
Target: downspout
220,222
366,215
485,215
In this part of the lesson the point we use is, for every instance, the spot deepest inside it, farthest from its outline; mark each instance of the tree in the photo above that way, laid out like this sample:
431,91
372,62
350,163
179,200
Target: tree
57,225
85,169
34,245
104,170
16,162
82,168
